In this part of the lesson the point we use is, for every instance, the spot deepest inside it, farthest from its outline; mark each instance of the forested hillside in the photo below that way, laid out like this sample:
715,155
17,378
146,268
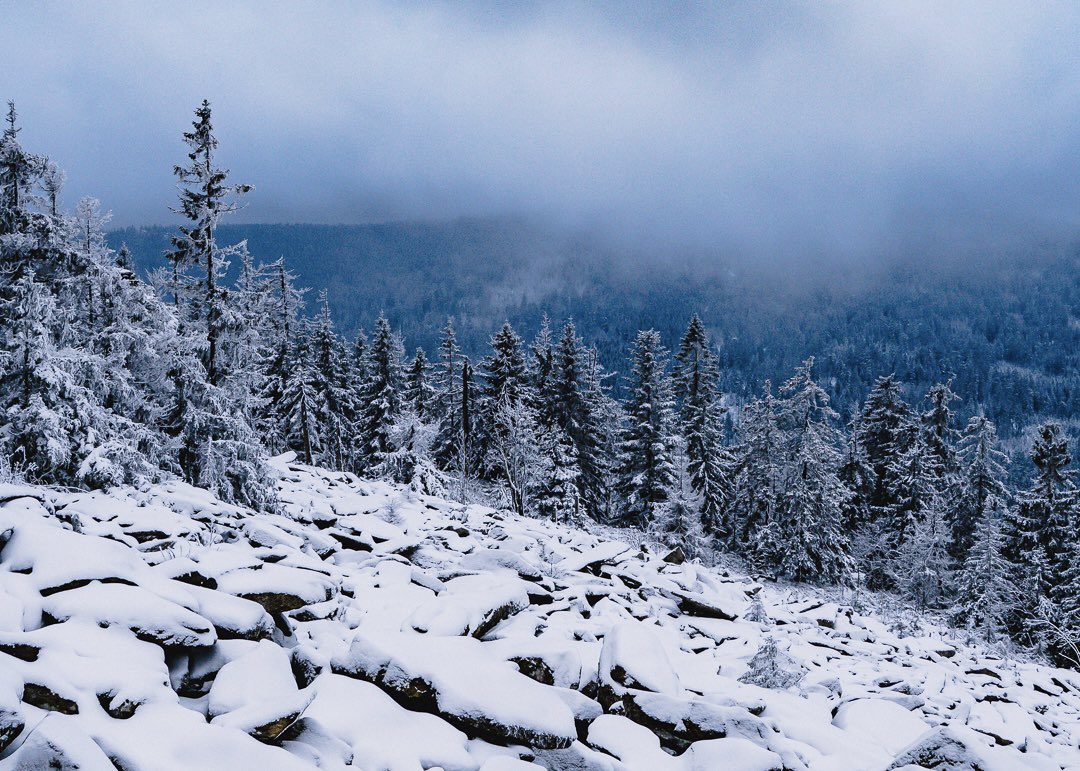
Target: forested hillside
1006,330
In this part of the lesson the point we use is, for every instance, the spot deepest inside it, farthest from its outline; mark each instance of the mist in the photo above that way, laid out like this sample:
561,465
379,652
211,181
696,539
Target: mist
792,132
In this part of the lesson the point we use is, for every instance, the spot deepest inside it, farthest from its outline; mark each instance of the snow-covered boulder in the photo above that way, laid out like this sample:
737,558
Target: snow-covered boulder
381,734
634,657
146,614
472,605
58,743
278,588
441,674
957,749
257,694
881,721
678,723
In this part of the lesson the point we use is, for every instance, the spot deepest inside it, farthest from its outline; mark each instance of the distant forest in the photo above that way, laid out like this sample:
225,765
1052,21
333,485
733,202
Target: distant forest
1006,332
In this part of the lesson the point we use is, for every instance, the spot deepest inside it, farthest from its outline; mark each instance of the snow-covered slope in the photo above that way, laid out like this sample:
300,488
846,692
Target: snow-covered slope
364,625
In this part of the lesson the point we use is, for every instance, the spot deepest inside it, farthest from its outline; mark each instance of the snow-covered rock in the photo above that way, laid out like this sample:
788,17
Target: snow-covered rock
364,626
456,678
257,693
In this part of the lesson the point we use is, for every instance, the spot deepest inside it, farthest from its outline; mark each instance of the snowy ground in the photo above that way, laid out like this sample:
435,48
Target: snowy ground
163,629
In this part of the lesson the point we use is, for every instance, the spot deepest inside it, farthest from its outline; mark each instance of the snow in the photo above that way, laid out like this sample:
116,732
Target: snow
633,656
134,608
364,626
468,685
257,690
880,721
470,604
383,734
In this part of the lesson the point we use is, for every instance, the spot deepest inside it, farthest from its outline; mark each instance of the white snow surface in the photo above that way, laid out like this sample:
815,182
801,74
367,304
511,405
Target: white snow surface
364,626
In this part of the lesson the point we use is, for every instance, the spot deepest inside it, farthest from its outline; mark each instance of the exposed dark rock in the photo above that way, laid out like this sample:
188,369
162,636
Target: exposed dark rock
43,697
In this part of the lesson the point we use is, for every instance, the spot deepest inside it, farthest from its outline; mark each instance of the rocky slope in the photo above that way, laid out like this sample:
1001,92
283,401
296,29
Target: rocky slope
367,627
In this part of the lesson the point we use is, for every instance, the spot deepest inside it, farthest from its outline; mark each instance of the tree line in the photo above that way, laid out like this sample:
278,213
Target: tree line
108,379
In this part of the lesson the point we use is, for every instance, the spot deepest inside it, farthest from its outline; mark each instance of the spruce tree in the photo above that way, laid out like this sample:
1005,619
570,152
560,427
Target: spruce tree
205,199
982,484
300,406
541,373
505,388
339,403
1039,532
419,393
576,400
286,304
757,473
887,428
678,523
646,468
447,382
694,378
381,396
813,543
938,434
858,476
985,593
558,496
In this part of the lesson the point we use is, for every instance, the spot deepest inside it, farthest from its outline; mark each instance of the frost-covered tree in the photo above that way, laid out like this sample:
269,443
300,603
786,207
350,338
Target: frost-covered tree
858,475
939,435
576,403
646,468
340,404
982,484
757,473
678,522
20,171
985,593
286,303
447,382
922,568
541,372
465,458
558,496
694,378
419,392
504,388
514,451
1040,530
215,445
887,427
381,395
205,199
410,461
813,543
299,407
772,668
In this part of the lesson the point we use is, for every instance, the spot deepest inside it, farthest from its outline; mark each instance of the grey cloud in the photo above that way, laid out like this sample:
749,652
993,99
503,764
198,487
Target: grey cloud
772,130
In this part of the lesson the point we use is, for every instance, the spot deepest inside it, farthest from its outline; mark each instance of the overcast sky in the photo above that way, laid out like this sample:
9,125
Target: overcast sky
851,129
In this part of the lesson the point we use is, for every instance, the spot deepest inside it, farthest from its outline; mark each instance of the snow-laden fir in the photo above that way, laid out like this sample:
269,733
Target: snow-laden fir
364,625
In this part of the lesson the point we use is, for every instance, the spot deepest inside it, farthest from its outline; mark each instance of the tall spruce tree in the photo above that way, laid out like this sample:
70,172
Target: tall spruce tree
382,393
813,543
887,428
1039,532
646,469
575,402
419,392
504,389
205,199
985,593
694,377
757,473
982,484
